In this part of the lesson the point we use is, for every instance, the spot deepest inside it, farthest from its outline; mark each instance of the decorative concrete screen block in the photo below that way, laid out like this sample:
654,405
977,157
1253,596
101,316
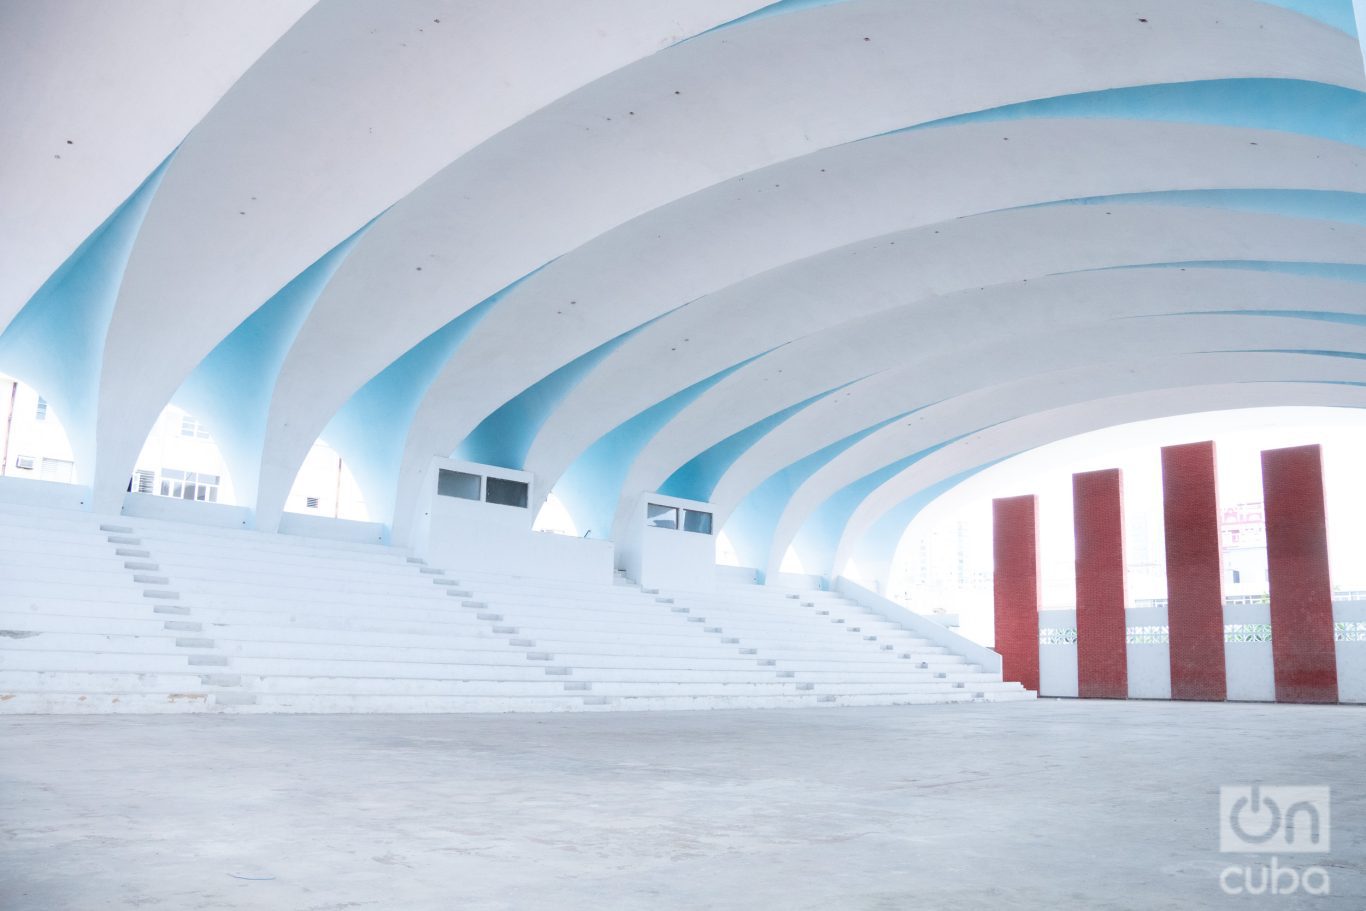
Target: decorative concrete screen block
1097,516
1195,598
459,484
1015,533
1297,559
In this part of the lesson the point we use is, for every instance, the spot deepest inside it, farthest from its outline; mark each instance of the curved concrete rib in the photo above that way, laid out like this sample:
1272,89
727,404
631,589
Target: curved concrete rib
508,208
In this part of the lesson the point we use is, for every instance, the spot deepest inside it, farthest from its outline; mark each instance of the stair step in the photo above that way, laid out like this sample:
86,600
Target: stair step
183,626
161,593
485,615
681,610
131,552
477,605
597,700
221,679
577,686
730,640
170,609
458,592
522,643
140,565
505,630
193,643
806,686
431,570
559,671
439,580
234,698
150,580
766,662
417,560
664,600
786,674
540,656
208,661
117,529
749,651
124,539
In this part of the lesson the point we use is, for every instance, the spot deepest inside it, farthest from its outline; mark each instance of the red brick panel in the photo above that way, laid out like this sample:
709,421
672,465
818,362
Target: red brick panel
1097,516
1015,537
1195,594
1302,647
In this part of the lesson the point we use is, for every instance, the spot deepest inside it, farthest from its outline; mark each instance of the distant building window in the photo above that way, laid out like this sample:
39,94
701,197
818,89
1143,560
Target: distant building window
144,481
41,412
28,463
505,492
459,484
659,516
311,502
59,470
189,485
189,427
1237,577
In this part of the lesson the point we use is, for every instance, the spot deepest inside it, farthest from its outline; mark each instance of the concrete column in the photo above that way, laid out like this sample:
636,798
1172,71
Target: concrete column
1015,537
1195,594
1302,648
1097,516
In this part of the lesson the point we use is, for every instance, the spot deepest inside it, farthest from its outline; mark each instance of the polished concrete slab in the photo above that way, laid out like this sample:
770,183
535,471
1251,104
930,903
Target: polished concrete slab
1053,804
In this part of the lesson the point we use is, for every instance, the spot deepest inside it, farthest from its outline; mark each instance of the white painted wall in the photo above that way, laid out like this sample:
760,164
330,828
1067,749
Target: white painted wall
667,557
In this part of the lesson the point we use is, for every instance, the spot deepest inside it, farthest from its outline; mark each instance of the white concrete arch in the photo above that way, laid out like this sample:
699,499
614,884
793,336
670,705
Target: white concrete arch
978,410
355,108
1038,429
97,95
508,207
965,337
909,269
767,253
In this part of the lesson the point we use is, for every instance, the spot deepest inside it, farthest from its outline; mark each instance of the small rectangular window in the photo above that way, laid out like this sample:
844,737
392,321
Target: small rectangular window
459,484
41,412
658,516
506,492
25,462
694,520
311,502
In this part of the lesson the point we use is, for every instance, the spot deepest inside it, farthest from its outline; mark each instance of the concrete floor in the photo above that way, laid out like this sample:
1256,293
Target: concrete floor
1056,805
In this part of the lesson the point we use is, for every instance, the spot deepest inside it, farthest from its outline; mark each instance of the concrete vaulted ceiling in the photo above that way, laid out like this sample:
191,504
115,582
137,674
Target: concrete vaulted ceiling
812,261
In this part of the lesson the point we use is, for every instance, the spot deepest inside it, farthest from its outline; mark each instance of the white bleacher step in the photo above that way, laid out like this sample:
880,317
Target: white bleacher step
179,609
208,660
183,626
193,642
417,561
431,571
488,615
442,580
116,529
234,698
131,540
539,656
459,593
131,552
161,593
145,579
140,565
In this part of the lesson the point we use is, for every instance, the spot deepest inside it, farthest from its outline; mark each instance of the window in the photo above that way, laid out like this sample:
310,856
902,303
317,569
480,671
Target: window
144,481
657,516
41,412
59,470
189,485
28,463
189,427
506,492
459,484
311,502
694,520
1237,577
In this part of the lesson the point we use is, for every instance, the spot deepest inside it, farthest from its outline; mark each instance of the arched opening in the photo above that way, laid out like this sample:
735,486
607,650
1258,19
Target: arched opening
35,445
943,564
726,554
326,487
555,518
180,460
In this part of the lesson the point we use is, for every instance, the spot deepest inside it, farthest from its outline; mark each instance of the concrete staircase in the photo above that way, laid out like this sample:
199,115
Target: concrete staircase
139,615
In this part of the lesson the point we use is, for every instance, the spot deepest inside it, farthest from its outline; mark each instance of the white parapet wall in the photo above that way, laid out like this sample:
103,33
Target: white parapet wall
1247,652
921,625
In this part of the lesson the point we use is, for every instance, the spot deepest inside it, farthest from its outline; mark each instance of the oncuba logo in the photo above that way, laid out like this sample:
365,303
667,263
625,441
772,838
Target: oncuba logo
1274,820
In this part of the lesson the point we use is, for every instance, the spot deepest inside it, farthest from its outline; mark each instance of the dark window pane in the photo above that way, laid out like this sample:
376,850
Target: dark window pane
457,484
699,522
661,516
506,493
